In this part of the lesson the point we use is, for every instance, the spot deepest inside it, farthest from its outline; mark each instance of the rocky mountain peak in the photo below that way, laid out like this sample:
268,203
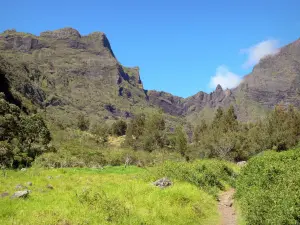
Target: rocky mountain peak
219,88
64,33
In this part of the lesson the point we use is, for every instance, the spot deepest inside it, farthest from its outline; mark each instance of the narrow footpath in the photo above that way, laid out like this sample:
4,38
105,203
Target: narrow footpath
226,209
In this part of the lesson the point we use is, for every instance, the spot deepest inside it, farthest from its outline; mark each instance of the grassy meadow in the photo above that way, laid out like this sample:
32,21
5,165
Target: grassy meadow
113,195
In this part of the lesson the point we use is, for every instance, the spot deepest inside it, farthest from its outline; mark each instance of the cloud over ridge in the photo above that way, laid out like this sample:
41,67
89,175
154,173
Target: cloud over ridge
259,51
225,78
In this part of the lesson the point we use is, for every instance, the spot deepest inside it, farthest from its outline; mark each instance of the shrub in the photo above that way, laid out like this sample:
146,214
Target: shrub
22,137
119,128
83,123
268,189
210,175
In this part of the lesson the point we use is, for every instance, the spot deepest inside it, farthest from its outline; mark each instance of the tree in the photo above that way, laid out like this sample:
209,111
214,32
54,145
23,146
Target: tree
154,136
101,131
119,128
230,120
199,131
181,141
83,123
218,119
23,137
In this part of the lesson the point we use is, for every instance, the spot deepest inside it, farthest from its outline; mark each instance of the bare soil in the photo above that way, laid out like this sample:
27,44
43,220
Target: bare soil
226,209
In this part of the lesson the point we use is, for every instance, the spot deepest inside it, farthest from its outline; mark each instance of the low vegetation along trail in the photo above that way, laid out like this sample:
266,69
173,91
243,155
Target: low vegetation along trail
228,214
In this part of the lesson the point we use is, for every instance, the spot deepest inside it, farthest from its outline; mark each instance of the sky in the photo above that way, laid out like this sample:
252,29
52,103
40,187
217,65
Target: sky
181,47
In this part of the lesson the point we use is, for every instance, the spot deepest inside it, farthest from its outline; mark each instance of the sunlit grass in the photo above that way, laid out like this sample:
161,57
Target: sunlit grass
114,195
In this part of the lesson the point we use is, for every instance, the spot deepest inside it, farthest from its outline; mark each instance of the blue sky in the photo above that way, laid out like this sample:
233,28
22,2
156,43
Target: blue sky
181,47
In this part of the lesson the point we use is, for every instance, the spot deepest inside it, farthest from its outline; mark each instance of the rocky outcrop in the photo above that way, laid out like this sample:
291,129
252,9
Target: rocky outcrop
64,33
179,106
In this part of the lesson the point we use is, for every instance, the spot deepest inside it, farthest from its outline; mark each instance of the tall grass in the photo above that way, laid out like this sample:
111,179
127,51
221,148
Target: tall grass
210,175
108,196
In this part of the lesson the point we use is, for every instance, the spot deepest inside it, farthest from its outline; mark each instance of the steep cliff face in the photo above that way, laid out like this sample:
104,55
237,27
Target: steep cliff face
275,79
68,73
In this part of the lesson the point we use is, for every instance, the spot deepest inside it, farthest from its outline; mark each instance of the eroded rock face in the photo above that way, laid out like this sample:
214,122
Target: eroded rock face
179,106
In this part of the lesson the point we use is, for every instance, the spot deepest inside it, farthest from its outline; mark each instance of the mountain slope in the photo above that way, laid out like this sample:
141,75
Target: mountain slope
66,73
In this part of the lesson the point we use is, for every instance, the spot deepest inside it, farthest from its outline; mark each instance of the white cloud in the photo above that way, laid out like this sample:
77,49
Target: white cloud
260,50
225,78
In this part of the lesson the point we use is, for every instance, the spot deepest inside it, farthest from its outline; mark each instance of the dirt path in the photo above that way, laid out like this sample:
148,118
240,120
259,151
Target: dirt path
228,215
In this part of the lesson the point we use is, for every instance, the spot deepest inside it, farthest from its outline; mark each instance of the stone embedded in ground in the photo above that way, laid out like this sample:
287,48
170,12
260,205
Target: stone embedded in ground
242,163
49,186
163,182
50,177
23,169
4,194
20,194
29,183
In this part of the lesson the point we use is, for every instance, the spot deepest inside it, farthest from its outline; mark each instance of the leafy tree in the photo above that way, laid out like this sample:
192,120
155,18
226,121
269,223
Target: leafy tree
181,141
101,131
23,137
154,136
83,123
119,128
199,132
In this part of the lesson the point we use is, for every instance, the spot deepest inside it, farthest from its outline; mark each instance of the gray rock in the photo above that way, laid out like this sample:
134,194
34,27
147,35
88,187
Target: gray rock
49,186
163,182
242,163
23,169
50,177
20,194
29,183
4,194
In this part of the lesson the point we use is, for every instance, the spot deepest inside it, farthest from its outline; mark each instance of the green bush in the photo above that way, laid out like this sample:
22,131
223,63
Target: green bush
22,137
118,128
268,189
209,175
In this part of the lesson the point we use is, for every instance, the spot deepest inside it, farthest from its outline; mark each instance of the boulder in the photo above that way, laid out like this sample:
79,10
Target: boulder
163,182
20,194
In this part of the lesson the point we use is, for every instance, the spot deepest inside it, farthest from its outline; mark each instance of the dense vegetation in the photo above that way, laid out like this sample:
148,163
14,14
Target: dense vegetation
22,137
212,176
268,188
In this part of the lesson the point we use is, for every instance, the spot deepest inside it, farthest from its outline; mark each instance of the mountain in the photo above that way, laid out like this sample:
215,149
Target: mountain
274,80
66,74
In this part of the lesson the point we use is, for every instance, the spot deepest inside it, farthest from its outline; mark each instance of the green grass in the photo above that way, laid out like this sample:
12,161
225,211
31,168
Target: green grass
268,189
114,195
209,175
